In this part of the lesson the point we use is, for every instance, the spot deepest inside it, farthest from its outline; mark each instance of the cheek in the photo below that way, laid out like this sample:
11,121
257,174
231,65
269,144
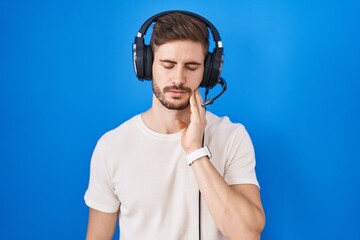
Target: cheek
156,74
154,70
158,71
199,76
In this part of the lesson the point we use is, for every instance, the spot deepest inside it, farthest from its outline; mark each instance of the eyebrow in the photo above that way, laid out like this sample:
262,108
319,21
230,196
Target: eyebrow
173,62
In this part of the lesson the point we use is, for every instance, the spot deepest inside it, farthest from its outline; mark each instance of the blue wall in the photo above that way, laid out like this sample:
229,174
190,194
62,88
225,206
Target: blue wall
66,77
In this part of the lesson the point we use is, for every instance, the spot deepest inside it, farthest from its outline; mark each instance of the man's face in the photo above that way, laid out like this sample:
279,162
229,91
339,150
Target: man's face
178,69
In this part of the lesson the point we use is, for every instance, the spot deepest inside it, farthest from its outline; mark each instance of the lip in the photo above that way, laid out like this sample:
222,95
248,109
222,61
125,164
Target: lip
177,93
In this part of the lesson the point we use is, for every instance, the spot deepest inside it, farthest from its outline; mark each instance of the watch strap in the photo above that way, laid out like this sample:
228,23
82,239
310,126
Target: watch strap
195,155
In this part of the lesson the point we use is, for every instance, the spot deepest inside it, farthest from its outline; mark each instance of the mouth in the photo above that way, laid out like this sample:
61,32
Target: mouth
177,91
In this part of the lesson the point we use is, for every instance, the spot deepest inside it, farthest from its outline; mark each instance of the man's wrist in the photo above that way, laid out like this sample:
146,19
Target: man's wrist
199,153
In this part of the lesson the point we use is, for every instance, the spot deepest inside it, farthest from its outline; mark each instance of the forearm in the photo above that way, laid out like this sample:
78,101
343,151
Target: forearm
236,216
236,210
101,226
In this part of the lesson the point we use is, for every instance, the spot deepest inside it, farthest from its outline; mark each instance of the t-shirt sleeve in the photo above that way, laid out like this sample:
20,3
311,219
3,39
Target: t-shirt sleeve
100,192
240,167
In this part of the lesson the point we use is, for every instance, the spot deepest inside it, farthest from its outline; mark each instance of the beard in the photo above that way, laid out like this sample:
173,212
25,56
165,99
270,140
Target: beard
172,105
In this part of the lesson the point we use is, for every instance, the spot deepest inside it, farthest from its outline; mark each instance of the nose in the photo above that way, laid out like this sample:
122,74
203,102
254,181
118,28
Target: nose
180,76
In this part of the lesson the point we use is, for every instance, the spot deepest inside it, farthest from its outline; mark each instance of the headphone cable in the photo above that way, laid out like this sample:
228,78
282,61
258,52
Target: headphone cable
203,140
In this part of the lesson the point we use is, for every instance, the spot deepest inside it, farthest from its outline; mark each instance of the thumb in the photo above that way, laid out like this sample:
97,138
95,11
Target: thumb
181,125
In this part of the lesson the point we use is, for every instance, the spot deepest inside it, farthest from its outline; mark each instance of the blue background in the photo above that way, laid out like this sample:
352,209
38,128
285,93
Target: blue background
293,74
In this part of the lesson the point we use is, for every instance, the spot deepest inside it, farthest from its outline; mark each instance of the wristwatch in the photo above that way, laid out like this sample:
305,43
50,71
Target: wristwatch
195,155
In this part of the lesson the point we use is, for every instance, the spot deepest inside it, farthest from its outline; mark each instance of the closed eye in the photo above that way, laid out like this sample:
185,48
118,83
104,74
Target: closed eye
192,67
168,66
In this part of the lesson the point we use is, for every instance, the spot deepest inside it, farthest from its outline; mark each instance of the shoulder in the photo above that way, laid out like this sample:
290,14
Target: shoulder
114,136
224,124
221,130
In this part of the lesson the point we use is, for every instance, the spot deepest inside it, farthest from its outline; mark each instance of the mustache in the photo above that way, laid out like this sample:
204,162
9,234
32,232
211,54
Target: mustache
181,88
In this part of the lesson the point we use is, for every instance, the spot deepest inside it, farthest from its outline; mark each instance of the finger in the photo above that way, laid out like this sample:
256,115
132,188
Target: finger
198,97
192,101
199,101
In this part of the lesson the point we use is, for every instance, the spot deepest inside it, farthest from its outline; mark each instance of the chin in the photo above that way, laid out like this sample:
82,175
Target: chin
175,106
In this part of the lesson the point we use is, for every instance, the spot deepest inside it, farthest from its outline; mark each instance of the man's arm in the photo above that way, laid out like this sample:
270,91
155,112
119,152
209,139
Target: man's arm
101,226
237,209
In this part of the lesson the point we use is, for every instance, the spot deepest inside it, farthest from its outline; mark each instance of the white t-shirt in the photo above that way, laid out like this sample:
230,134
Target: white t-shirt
144,174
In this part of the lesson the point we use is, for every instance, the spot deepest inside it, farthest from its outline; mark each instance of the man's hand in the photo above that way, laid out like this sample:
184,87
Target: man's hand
192,134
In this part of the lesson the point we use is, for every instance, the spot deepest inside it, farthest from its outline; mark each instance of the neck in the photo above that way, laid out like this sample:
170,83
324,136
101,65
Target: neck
160,119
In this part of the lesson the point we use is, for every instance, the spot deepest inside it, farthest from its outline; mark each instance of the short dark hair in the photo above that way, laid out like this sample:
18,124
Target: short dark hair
179,26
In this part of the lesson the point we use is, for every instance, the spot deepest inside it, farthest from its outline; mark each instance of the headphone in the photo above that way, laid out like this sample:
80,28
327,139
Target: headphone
143,56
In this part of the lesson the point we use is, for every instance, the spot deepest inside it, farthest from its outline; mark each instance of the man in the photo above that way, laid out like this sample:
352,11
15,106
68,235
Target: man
139,172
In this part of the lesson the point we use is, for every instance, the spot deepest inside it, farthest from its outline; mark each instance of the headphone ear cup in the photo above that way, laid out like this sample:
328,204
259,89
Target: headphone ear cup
148,61
142,58
207,71
138,58
215,69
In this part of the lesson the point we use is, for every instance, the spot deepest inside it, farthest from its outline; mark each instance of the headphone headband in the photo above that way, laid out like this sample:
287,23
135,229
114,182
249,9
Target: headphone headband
214,31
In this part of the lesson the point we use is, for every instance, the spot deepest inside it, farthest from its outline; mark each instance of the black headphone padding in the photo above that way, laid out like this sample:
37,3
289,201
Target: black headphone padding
148,62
